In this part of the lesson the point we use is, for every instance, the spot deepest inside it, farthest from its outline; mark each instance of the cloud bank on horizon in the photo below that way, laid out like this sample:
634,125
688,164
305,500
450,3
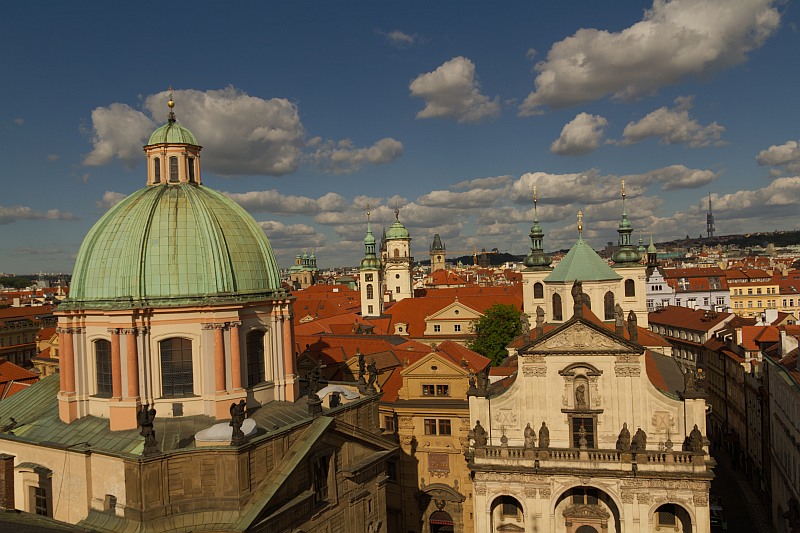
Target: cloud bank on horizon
592,102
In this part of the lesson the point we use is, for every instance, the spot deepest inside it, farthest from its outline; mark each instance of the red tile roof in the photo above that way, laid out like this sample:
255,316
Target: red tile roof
413,311
686,318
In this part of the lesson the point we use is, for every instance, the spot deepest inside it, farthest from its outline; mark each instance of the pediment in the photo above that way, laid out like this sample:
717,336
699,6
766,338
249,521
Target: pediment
455,310
581,336
510,527
445,367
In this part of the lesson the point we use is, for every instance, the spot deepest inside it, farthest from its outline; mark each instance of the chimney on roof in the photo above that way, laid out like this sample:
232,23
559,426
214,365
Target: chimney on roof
7,482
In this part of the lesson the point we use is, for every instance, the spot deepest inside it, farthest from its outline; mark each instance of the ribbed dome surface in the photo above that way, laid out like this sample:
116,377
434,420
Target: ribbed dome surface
172,133
170,245
397,231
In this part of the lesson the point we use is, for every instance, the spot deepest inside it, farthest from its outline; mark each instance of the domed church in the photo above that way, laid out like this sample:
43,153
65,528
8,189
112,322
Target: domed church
176,301
176,321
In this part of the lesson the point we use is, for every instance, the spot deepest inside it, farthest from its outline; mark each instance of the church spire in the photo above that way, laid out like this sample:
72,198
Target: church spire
627,252
537,258
370,260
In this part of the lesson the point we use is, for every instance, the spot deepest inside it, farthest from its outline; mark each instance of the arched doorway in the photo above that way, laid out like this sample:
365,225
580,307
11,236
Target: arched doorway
674,517
587,509
441,522
507,514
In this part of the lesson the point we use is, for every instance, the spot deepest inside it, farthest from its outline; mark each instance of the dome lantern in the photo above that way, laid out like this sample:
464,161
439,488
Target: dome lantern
173,153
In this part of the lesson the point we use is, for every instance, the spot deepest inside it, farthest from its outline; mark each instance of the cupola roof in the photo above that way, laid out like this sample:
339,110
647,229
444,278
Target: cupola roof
397,230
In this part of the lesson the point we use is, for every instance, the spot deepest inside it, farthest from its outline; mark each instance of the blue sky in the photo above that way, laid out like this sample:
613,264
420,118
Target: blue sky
450,111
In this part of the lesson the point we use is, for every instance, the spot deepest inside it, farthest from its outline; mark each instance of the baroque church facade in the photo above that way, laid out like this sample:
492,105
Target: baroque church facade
593,434
177,405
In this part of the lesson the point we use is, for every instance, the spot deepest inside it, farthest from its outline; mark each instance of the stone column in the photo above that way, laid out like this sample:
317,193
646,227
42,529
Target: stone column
219,359
122,413
290,362
116,365
67,399
66,360
132,363
236,356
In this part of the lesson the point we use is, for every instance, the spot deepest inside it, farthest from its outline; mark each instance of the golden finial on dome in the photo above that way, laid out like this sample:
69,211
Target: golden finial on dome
368,213
580,223
623,189
171,102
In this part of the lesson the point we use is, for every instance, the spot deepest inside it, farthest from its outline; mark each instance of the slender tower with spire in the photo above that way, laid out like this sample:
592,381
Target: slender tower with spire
626,253
438,253
371,277
537,267
709,219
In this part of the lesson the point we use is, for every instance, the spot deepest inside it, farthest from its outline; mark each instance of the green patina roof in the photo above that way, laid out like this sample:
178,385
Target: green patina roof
582,264
170,245
397,231
174,133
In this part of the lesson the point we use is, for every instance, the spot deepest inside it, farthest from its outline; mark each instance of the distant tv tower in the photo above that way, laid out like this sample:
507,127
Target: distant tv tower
709,218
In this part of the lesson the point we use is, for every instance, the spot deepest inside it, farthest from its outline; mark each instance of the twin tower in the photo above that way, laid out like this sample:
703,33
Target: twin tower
387,278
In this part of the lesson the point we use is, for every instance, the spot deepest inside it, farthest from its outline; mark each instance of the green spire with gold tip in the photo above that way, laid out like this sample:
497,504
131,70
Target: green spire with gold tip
371,260
537,259
626,254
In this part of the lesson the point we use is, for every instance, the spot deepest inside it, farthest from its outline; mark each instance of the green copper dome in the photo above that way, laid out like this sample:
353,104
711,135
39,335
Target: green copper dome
397,231
172,133
173,245
582,264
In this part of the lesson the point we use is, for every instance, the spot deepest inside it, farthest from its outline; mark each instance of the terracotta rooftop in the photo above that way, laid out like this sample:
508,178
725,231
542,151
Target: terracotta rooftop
686,318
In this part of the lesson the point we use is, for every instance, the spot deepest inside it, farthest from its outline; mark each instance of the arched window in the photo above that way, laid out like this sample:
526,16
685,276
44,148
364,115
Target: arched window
630,288
370,291
102,358
173,169
191,169
557,314
538,290
608,305
157,170
255,358
177,377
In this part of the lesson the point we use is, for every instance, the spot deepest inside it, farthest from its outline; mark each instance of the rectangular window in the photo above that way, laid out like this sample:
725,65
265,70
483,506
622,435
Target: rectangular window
587,423
191,169
428,390
437,328
430,426
457,328
367,277
397,290
388,423
391,470
758,290
321,469
442,390
370,309
444,427
40,501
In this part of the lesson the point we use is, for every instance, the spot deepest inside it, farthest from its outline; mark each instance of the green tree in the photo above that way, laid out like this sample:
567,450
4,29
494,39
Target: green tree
494,330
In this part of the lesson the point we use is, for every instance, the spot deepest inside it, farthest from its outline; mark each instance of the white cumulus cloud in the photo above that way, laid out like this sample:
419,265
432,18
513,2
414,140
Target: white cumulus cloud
784,157
452,91
276,202
580,136
21,212
399,39
675,39
343,158
110,199
674,126
291,236
242,135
